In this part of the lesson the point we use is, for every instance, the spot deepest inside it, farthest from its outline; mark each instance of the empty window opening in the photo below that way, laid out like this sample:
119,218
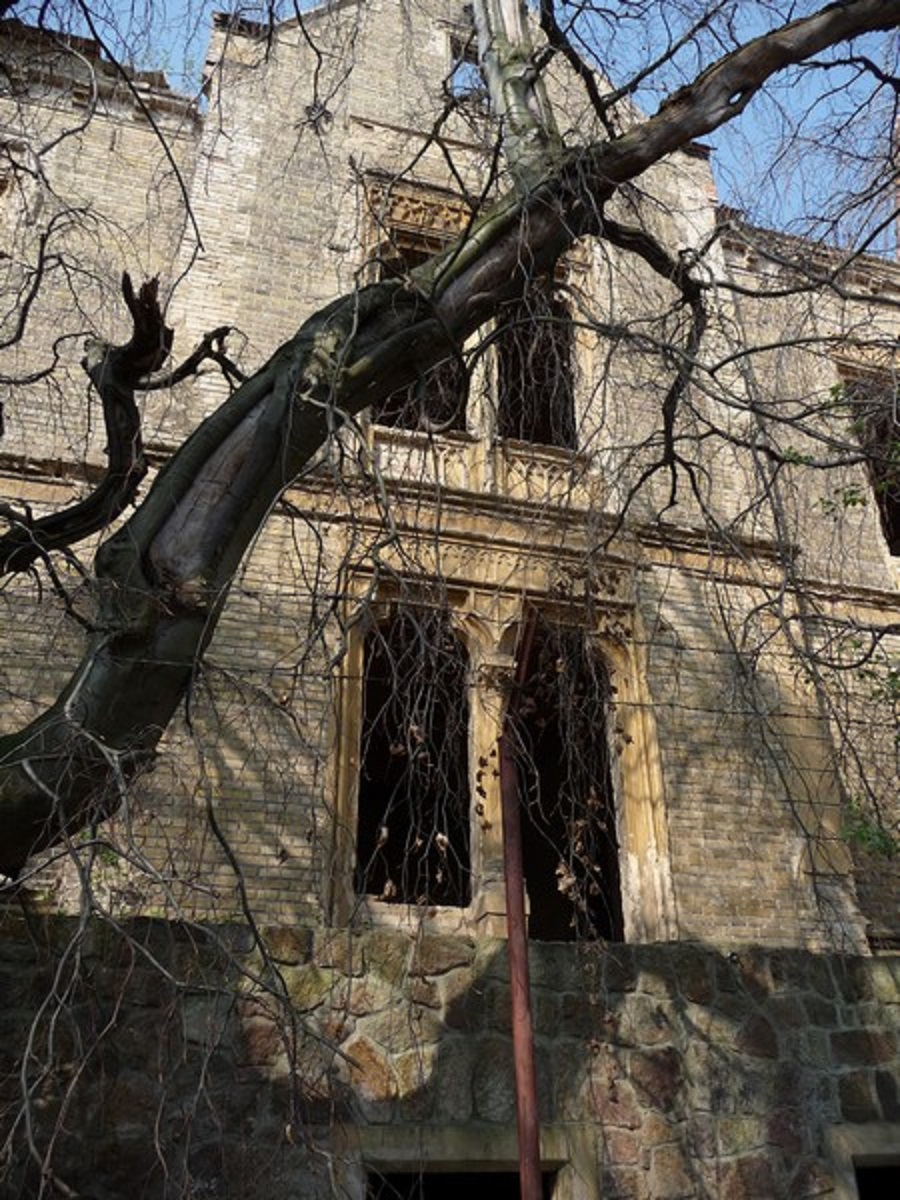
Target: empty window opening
465,81
437,400
535,387
878,1182
876,421
569,844
413,833
450,1185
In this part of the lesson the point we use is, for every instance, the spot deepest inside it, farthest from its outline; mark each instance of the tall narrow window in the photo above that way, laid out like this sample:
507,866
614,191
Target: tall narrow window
437,400
570,848
413,799
465,81
535,388
876,420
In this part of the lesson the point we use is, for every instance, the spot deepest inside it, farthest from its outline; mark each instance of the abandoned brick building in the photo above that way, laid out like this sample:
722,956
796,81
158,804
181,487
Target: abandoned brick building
713,902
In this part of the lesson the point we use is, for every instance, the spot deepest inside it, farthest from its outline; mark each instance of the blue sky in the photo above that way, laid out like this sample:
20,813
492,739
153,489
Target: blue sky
832,147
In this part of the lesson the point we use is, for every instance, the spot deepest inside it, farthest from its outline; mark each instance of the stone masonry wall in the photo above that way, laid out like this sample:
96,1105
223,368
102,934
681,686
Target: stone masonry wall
163,1068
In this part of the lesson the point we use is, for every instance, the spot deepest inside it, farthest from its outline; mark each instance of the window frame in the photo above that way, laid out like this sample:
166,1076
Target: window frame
417,217
505,327
863,387
567,1150
487,621
379,625
850,1146
465,81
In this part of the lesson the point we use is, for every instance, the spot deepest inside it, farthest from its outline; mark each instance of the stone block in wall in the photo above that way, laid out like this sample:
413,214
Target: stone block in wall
493,1086
388,953
757,1038
788,1130
454,1083
887,1088
415,1072
795,971
810,1179
643,1021
462,1001
863,1047
854,983
436,955
608,1096
339,949
308,986
619,969
621,1147
884,974
288,946
656,1076
670,1176
749,1178
693,977
857,1097
819,1011
372,1077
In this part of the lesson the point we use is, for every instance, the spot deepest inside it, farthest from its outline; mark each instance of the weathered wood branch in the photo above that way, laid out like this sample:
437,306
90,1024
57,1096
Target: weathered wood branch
114,372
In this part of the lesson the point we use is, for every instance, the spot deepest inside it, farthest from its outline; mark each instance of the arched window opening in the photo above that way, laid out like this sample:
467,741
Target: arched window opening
569,843
435,402
413,838
535,359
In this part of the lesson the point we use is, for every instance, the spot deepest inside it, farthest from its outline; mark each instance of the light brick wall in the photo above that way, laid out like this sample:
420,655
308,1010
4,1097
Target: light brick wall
754,849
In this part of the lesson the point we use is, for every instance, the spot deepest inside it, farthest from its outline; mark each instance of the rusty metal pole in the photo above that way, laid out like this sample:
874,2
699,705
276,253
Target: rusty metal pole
517,944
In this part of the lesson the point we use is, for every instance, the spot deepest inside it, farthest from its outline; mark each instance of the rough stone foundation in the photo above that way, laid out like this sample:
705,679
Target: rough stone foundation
167,1069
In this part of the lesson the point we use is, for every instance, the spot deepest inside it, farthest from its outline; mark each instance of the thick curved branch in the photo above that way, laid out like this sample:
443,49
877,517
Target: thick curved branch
115,372
725,89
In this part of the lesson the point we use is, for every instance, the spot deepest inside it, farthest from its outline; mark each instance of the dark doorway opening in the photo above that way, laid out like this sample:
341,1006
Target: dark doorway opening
450,1185
878,1182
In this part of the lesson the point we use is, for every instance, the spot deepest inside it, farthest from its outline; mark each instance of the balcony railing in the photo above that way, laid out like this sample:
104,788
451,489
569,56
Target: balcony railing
511,470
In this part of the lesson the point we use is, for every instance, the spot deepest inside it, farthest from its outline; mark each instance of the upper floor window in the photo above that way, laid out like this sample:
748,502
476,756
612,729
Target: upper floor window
413,837
876,417
535,360
465,81
437,400
409,224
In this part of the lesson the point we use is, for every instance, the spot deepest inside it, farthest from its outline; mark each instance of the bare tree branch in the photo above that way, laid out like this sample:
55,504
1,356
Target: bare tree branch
115,372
